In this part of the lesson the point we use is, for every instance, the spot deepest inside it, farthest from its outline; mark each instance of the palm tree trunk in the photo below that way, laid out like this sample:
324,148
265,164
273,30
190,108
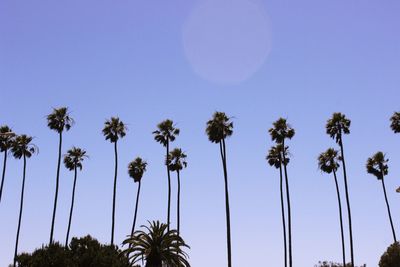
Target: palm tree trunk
56,193
178,203
169,189
4,173
288,207
114,192
341,218
228,220
283,215
72,206
136,209
388,209
20,212
347,202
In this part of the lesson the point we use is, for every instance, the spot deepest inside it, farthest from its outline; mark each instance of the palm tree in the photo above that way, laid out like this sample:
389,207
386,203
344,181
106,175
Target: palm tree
176,161
136,169
328,162
218,129
158,247
398,190
280,131
166,133
395,125
59,120
377,166
22,148
274,158
113,130
6,141
72,161
335,128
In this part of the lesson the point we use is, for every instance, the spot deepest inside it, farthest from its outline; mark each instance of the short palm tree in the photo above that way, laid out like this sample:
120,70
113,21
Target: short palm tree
274,158
113,130
22,148
281,131
73,161
6,141
136,169
158,247
377,166
176,161
166,132
395,125
59,120
218,129
328,162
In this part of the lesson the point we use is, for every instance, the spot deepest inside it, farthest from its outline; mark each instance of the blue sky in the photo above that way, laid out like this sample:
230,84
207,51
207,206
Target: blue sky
130,59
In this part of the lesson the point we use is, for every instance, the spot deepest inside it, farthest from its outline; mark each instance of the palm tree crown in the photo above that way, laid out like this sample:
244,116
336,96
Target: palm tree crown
74,157
219,127
395,125
166,132
6,138
328,161
176,160
275,156
59,120
22,146
136,169
377,165
114,129
337,125
281,130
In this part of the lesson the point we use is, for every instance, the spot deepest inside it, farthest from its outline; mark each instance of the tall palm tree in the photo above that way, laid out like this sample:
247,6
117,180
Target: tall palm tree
377,166
280,131
158,247
59,120
335,128
73,161
274,158
218,129
176,161
166,132
113,130
328,162
22,148
395,125
136,169
6,141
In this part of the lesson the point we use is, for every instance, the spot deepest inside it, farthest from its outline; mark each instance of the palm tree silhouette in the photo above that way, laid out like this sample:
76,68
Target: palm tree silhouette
395,125
335,128
158,247
59,120
22,148
377,166
218,129
72,161
274,158
176,161
136,169
166,133
113,130
280,131
6,141
328,162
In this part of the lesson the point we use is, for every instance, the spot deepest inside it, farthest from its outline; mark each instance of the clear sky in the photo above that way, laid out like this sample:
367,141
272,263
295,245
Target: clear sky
146,61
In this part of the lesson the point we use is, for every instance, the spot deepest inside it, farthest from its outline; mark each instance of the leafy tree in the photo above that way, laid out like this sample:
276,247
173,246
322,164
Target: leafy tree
59,120
395,122
333,264
166,132
218,129
73,161
391,258
335,128
158,246
22,148
113,130
6,141
328,162
377,166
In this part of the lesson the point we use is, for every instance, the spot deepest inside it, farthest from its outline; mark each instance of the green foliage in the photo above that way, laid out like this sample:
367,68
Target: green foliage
219,127
59,120
114,129
281,130
74,157
6,138
391,258
22,146
166,132
328,161
338,125
176,160
136,169
333,264
377,165
275,155
395,122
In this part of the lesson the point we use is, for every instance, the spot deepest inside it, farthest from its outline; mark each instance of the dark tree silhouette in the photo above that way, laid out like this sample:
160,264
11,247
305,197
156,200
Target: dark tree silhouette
335,128
59,120
113,130
280,131
6,141
166,132
395,122
391,257
377,166
328,162
218,129
73,161
22,148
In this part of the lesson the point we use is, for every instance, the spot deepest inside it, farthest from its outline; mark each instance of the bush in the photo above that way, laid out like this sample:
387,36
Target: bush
391,258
